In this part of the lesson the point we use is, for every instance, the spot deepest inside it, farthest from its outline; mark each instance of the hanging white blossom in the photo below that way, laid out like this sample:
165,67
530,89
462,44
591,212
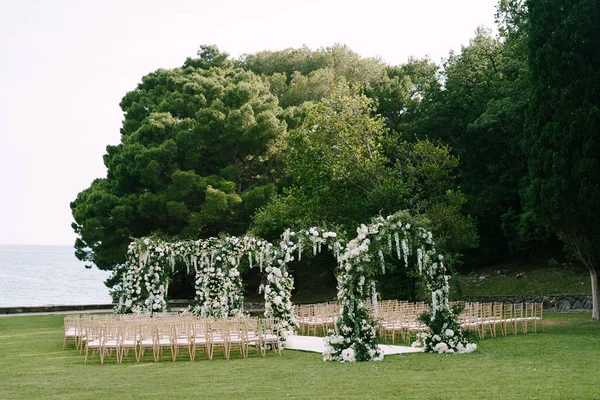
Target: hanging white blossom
150,263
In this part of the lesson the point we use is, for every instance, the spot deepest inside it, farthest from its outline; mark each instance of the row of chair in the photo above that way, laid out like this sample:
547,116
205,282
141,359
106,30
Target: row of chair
394,316
508,317
399,318
75,324
318,318
384,307
105,335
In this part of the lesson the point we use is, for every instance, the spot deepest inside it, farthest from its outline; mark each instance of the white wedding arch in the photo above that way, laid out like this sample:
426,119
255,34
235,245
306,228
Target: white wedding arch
216,262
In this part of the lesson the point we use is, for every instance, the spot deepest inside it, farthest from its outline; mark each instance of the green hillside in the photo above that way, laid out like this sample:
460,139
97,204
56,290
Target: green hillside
524,278
532,277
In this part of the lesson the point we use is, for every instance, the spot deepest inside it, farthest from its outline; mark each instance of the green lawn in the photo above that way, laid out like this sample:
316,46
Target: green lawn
560,363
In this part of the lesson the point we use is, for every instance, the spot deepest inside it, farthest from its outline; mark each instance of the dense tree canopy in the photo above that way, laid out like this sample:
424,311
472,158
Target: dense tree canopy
347,165
479,112
502,137
204,146
563,136
198,153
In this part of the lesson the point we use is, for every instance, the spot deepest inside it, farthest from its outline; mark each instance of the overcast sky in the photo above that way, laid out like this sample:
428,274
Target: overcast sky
65,65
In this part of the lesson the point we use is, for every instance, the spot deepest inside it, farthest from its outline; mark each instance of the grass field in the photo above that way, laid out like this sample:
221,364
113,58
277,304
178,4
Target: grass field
562,362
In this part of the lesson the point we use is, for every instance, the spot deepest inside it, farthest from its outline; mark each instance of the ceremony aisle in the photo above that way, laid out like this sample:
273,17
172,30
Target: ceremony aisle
316,344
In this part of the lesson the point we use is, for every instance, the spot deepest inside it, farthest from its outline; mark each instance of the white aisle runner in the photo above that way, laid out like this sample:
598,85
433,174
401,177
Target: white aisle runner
316,344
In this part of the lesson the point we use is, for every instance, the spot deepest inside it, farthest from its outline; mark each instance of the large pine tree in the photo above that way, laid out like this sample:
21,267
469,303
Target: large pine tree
198,154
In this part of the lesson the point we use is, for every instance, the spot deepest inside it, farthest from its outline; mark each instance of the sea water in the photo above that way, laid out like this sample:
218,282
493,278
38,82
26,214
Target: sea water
48,275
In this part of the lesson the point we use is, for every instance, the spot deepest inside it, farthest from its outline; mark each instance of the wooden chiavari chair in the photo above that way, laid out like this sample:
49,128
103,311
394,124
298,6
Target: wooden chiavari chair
72,327
394,325
507,317
237,332
486,319
200,339
270,335
496,318
163,338
129,337
182,337
146,337
253,335
217,336
518,315
110,339
472,318
93,341
538,316
529,317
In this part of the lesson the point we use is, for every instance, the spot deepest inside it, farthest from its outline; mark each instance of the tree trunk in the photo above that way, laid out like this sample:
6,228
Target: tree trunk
594,278
581,246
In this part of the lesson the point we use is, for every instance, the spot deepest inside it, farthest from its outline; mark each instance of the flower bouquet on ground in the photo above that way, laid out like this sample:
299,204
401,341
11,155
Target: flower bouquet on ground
444,334
354,338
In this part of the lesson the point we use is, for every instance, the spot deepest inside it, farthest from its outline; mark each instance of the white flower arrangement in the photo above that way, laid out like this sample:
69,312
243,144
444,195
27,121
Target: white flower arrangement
219,288
364,257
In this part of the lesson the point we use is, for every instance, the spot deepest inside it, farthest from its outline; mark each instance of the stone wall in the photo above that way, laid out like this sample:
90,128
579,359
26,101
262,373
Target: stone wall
552,302
176,305
52,308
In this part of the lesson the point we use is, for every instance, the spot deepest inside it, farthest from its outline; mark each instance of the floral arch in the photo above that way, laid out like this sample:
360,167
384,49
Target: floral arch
361,261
